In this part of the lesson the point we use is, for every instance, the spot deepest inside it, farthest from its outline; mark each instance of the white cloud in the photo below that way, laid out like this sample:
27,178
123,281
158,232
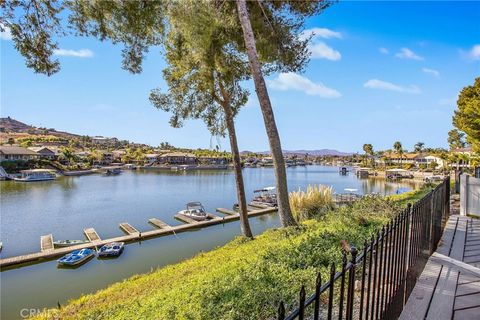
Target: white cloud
383,50
406,53
432,72
82,53
7,34
318,48
321,50
320,33
290,80
384,85
474,53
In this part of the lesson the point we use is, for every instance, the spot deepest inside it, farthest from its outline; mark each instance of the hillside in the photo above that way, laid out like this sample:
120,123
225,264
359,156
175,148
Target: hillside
11,126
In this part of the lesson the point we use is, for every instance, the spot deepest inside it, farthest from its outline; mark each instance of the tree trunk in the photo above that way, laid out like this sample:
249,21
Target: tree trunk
284,211
242,201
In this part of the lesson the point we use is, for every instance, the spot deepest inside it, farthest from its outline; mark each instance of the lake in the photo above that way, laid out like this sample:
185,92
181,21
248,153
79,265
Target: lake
68,205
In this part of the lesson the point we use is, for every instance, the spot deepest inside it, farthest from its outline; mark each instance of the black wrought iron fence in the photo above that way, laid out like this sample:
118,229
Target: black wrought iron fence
375,282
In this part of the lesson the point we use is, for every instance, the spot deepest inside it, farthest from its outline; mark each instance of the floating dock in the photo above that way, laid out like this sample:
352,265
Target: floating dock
185,219
226,211
128,228
91,235
46,243
258,206
159,223
48,252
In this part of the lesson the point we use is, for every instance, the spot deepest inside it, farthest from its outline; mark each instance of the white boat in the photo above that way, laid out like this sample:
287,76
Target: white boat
112,249
195,210
36,175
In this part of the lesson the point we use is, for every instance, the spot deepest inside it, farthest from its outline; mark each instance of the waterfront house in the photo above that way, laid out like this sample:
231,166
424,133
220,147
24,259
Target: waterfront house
118,154
429,159
467,151
393,157
152,158
267,161
45,152
107,157
11,153
213,160
179,158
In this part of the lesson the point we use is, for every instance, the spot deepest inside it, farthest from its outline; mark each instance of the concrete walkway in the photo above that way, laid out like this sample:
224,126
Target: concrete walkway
449,286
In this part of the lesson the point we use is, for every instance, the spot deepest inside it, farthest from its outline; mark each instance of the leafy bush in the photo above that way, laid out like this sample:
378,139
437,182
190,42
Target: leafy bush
316,200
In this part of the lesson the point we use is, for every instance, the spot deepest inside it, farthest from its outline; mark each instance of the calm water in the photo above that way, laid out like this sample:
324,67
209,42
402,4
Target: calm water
66,206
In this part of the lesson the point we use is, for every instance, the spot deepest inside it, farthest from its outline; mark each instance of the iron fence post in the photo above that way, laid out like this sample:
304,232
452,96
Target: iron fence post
351,283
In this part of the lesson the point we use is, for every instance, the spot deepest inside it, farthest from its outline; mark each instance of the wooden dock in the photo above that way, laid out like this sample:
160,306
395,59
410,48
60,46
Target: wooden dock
129,237
91,235
128,228
46,243
258,206
213,216
185,219
226,211
159,223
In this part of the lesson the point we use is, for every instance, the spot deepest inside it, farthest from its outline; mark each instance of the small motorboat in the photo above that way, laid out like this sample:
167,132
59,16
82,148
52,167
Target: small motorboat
111,172
69,243
76,257
195,210
112,249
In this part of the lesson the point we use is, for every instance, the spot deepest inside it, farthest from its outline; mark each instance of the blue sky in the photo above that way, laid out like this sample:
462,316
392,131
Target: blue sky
380,72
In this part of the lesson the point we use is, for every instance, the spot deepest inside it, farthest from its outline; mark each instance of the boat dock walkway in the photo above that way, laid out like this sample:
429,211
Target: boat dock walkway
184,218
128,228
91,235
226,211
49,252
159,223
46,243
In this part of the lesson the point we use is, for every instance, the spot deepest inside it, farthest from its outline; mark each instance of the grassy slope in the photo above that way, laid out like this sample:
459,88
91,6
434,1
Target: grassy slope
244,279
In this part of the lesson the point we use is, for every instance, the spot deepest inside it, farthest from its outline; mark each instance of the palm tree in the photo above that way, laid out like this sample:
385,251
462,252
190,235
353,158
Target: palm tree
368,149
284,210
68,154
418,147
397,146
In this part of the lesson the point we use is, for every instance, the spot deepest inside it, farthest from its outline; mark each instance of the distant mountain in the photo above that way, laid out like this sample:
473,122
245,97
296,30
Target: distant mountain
10,125
315,153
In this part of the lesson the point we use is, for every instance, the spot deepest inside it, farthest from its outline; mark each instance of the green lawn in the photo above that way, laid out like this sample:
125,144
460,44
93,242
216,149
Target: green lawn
244,279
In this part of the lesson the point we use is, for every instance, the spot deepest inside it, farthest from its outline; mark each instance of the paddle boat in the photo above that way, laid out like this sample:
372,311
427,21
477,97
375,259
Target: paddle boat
265,196
69,243
112,249
36,175
77,257
195,210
